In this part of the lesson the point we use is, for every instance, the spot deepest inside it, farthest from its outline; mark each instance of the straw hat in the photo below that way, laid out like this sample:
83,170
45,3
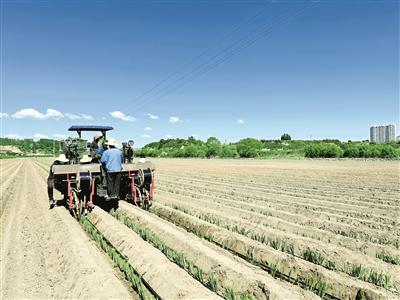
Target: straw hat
85,159
112,142
62,158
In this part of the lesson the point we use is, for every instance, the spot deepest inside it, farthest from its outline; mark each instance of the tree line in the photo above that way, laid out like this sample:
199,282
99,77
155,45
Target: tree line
244,148
30,146
253,148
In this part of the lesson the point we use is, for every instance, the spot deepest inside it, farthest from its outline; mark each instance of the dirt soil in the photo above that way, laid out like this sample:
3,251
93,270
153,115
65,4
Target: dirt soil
343,210
232,271
45,253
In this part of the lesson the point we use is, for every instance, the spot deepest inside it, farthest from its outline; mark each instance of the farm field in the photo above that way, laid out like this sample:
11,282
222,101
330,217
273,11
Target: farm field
233,229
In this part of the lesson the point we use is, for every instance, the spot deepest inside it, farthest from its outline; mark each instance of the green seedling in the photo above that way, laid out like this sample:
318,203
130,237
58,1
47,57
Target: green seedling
395,260
118,259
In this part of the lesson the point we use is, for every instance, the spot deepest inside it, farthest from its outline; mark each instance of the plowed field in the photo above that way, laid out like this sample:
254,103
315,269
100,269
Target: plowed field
233,229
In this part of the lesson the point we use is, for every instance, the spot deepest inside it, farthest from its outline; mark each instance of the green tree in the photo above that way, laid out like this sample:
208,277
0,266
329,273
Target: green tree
213,147
248,147
285,137
229,151
388,152
312,151
351,150
331,151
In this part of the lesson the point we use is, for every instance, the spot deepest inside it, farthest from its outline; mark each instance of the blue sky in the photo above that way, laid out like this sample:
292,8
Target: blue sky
230,69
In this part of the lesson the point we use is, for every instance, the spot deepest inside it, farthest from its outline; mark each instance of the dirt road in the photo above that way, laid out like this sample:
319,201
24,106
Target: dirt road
44,253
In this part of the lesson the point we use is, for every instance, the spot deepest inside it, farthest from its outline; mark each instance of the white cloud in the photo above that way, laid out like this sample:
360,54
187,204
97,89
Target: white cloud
174,120
146,136
52,113
240,121
169,136
28,113
196,136
72,116
152,116
34,114
59,136
148,128
121,116
40,136
103,118
87,117
3,115
14,136
78,116
31,113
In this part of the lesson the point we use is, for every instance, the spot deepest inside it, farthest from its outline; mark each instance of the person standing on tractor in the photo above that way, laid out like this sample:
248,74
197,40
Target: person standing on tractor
97,147
60,160
112,160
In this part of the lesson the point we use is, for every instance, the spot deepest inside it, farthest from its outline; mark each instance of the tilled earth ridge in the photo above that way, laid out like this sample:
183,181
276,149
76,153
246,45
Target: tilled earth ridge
44,253
299,200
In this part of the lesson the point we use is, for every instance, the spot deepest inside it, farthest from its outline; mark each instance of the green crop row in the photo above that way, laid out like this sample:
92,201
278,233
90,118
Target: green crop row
313,284
395,260
366,274
210,279
118,259
350,234
370,275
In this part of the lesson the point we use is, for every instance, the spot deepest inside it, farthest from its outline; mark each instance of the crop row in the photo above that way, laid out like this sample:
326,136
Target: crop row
253,219
210,280
298,203
232,274
320,192
281,183
120,261
320,280
297,249
347,230
163,278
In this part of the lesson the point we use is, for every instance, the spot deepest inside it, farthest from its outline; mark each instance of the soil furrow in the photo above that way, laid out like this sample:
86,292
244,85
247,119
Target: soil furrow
46,254
165,278
230,272
336,284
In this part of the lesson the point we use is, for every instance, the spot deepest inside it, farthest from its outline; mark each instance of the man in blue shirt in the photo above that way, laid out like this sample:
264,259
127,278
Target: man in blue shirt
112,160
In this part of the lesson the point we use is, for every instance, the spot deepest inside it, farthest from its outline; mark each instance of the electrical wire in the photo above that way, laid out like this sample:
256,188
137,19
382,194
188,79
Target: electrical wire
226,54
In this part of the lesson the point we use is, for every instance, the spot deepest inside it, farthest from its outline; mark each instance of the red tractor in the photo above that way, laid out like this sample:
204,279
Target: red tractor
84,184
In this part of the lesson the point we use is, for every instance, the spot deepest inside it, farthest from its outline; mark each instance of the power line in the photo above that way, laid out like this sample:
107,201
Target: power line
196,58
221,57
218,54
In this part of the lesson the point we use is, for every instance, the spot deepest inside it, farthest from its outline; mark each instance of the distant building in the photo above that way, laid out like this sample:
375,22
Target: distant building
382,134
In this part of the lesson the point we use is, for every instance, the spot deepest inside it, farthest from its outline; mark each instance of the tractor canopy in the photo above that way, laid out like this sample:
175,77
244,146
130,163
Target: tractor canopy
80,128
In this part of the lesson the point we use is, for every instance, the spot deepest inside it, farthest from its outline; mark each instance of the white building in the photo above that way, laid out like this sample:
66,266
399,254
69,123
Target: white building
382,134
